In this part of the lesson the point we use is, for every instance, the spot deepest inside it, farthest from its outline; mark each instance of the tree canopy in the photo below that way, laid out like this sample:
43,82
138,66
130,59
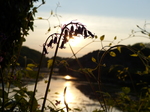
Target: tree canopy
17,18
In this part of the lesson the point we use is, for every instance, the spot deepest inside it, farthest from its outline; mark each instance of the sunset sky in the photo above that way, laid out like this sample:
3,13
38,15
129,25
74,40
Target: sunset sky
102,17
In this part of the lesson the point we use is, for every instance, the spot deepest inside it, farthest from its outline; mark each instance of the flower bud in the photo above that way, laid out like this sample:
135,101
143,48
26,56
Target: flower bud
90,34
66,33
62,45
55,40
45,50
72,29
79,30
50,43
85,34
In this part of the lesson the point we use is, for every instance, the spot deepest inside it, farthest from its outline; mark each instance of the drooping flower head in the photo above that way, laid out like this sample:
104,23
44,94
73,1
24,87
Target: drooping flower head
51,40
68,31
74,29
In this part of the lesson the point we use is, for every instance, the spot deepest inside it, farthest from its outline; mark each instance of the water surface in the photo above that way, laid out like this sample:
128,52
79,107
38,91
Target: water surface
74,97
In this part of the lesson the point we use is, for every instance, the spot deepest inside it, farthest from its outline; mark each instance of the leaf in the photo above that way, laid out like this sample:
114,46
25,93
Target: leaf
113,54
40,18
89,70
115,38
34,10
142,45
93,59
110,44
46,81
35,104
49,29
146,70
148,56
18,64
96,36
112,67
102,37
43,2
77,109
104,65
119,49
51,12
56,93
49,64
28,68
8,84
126,69
126,90
64,62
31,65
134,55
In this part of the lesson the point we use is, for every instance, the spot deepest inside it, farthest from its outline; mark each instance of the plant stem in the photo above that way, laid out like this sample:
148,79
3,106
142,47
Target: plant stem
37,77
74,54
51,72
36,81
3,96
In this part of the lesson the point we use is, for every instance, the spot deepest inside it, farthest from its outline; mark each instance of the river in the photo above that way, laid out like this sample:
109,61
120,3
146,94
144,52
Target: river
74,97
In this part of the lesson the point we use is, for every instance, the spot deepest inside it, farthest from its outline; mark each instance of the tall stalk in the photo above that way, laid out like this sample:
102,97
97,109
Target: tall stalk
51,72
3,90
36,81
38,72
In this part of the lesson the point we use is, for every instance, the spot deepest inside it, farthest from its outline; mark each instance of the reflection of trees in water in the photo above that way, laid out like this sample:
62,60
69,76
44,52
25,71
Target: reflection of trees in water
86,89
91,91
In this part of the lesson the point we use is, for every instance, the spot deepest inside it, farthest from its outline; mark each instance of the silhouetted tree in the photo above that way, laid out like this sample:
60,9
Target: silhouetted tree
15,21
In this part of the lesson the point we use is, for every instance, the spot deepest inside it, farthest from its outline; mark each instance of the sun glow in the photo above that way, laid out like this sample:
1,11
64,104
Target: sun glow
75,41
67,77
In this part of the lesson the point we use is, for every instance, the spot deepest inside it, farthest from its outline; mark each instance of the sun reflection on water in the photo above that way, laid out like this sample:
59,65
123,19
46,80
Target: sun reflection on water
67,77
69,96
74,97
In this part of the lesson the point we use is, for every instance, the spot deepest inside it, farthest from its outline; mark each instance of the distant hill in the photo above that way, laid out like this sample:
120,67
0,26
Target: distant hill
120,66
28,55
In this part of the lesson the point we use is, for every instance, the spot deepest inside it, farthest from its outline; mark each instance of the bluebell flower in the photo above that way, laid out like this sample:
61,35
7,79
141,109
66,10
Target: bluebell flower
50,43
62,45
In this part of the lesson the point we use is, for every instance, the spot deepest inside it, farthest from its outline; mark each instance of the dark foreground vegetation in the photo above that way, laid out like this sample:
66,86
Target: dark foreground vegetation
121,65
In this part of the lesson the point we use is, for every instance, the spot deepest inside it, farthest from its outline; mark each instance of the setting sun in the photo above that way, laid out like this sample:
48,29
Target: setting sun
75,41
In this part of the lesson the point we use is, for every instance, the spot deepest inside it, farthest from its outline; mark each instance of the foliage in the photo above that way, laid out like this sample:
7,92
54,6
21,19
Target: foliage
20,101
16,96
17,19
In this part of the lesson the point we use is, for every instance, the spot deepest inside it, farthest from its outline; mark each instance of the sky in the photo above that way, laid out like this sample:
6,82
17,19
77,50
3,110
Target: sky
102,17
